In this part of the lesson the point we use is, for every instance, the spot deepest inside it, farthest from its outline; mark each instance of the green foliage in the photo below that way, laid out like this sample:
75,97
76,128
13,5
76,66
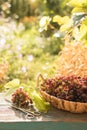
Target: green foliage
38,101
79,3
56,7
83,30
75,25
18,9
78,6
27,52
65,22
79,17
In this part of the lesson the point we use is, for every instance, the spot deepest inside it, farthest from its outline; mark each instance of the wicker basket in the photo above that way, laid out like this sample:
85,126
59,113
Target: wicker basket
74,107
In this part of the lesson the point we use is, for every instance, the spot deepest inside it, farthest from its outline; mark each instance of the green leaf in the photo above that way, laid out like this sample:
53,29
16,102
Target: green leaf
78,3
84,21
44,22
13,83
11,86
67,26
79,9
38,101
83,31
60,20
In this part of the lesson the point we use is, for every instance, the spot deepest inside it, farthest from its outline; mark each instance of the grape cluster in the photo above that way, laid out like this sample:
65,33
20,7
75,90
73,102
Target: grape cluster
21,99
71,88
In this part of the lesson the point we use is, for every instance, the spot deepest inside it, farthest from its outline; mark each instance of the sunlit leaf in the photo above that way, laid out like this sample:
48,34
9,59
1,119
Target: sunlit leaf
11,86
61,20
67,26
78,3
79,9
84,21
44,22
37,99
83,31
13,83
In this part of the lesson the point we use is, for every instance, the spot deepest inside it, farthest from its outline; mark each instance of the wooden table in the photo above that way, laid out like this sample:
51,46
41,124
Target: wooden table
11,119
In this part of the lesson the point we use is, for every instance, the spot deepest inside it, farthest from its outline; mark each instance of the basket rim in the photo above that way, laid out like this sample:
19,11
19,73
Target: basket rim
60,98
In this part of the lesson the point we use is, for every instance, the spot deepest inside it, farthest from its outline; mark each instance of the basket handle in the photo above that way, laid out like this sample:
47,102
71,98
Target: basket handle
38,78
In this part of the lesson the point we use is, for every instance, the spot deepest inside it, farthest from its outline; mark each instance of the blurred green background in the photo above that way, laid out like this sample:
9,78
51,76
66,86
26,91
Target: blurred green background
26,49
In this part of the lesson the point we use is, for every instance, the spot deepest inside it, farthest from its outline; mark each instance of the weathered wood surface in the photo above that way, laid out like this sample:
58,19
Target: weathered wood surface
8,114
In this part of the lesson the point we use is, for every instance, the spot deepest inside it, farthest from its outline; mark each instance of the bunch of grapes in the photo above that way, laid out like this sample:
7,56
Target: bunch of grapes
71,88
21,99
